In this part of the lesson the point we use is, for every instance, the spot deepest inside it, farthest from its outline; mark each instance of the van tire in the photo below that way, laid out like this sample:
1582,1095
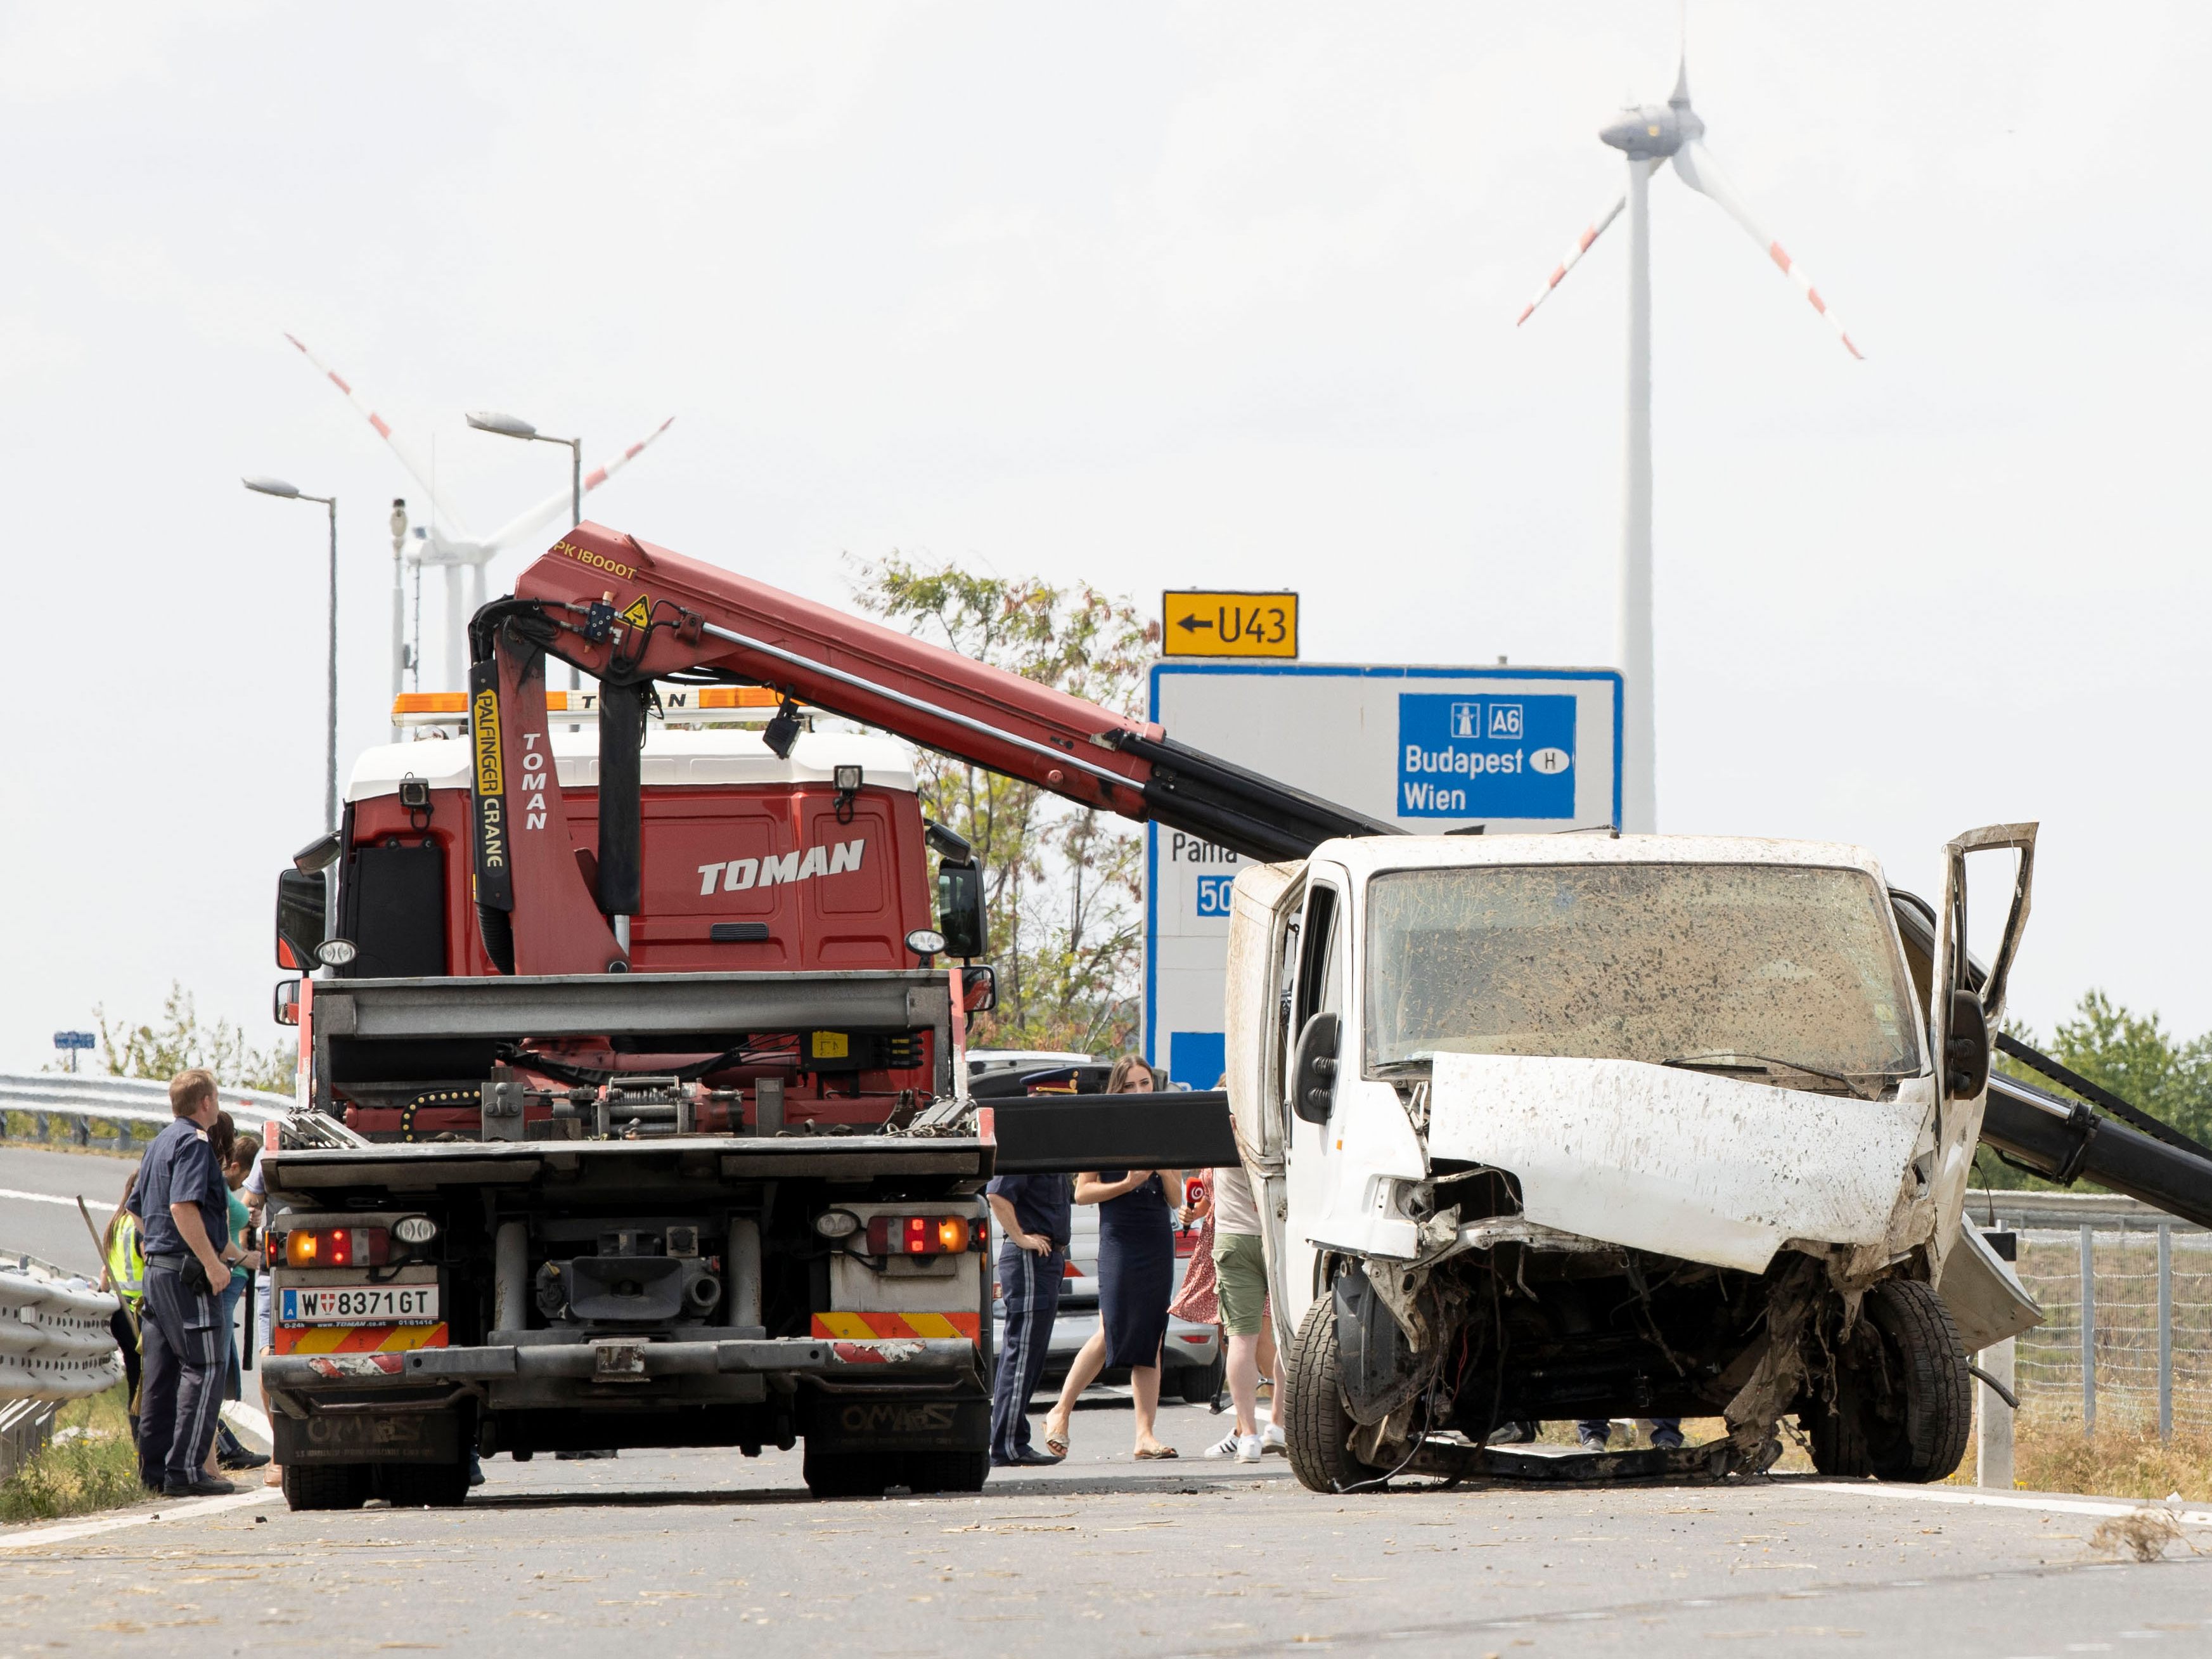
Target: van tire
1315,1425
1904,1410
325,1486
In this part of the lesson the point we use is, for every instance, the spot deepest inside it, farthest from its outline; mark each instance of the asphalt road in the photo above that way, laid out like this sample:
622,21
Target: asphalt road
702,1551
31,1218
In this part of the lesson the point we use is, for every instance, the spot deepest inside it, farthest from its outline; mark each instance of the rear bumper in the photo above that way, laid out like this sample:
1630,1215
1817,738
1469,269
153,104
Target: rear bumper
933,1359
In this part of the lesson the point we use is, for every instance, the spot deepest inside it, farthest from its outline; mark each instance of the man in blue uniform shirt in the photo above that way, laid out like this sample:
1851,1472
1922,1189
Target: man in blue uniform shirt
183,1218
1034,1212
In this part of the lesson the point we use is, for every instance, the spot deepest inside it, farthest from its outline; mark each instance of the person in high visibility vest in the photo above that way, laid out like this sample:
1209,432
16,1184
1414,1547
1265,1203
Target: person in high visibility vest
125,1275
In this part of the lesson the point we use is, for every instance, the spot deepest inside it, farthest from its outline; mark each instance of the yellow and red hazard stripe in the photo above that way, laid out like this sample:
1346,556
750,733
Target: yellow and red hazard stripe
357,1339
880,1327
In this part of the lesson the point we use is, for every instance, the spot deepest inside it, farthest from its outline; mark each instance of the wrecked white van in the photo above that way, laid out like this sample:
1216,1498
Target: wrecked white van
1576,1127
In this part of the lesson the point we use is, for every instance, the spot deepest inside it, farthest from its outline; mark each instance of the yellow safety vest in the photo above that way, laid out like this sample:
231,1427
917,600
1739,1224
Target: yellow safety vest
126,1261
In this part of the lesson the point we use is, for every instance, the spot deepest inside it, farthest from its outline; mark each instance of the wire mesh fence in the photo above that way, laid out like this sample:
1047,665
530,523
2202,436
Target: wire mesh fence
2142,1359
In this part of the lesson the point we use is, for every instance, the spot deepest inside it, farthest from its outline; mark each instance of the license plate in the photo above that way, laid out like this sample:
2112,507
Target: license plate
359,1304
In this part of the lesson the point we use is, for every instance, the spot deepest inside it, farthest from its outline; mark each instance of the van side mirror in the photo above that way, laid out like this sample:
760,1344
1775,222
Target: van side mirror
960,909
1313,1070
1967,1048
300,904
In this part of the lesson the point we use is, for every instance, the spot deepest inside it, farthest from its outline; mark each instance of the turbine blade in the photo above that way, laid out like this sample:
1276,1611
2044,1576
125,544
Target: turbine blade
1582,246
555,508
1695,163
408,458
593,479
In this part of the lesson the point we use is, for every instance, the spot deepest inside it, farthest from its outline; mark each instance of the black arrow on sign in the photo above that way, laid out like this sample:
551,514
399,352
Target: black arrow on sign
1194,623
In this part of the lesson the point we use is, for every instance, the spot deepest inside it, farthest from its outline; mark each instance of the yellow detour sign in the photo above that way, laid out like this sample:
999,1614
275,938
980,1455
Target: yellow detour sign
1212,624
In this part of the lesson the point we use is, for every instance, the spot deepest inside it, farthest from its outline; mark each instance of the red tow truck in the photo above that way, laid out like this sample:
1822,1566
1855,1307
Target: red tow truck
633,1103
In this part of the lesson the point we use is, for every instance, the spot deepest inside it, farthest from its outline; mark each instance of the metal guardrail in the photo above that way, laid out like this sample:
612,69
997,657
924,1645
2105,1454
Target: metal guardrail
55,1101
54,1340
2021,1210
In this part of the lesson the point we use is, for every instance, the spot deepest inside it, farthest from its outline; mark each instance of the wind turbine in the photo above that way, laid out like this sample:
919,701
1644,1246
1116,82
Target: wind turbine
1652,136
464,551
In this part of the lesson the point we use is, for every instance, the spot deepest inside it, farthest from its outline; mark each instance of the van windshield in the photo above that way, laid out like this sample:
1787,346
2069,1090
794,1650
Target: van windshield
1723,966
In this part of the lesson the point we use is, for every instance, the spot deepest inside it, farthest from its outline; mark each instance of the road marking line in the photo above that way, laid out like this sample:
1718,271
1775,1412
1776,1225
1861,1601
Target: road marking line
190,1508
37,1198
1999,1500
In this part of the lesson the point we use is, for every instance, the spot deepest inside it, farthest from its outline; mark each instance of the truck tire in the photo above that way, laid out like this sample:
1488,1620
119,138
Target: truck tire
325,1486
1198,1385
943,1471
423,1486
1904,1410
1314,1422
850,1474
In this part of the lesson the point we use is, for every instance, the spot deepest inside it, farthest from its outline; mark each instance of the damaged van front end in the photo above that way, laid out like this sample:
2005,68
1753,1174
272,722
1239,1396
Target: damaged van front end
1583,1129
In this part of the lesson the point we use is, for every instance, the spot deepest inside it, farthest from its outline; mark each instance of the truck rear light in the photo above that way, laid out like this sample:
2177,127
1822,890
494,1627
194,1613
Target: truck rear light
917,1235
337,1247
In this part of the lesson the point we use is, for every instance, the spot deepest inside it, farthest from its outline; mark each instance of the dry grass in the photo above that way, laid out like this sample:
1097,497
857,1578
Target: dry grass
2114,1462
96,1470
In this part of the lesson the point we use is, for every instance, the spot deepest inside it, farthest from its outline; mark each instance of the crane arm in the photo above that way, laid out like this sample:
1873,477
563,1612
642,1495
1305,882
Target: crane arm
697,617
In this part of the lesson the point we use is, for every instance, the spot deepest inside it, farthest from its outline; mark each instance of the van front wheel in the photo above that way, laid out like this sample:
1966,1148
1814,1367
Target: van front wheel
1315,1424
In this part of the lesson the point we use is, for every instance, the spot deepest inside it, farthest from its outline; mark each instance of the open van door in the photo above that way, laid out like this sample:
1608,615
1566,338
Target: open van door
1263,925
1962,1020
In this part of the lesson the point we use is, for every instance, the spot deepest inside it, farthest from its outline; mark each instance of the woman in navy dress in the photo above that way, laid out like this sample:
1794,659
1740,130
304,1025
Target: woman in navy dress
1136,1277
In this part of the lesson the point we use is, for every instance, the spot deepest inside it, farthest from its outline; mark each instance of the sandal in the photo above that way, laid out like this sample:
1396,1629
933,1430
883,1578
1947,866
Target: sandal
1157,1454
1055,1440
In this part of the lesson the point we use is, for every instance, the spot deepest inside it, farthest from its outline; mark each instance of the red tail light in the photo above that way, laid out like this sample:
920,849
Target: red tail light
917,1235
1067,1271
337,1247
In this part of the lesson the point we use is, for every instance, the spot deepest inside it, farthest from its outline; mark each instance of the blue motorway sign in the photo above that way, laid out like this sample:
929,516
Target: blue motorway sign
1462,756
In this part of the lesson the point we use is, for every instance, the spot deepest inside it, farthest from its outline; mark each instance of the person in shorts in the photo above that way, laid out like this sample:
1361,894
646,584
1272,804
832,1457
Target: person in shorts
1240,1270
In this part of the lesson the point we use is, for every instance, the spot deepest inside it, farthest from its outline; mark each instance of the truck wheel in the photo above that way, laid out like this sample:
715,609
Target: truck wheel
325,1486
1314,1422
1904,1402
943,1471
1197,1385
849,1474
423,1486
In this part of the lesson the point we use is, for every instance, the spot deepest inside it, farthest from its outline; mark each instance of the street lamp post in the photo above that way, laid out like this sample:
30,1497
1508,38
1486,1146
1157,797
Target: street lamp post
290,493
508,426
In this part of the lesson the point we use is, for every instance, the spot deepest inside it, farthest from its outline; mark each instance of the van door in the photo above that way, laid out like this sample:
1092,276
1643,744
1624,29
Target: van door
1954,1003
1315,958
1268,906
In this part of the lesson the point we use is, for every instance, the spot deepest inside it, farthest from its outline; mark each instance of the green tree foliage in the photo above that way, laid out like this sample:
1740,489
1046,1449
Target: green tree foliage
1063,885
180,1041
2132,1055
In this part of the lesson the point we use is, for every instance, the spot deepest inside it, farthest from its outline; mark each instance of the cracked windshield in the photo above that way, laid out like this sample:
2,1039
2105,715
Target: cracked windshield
1725,968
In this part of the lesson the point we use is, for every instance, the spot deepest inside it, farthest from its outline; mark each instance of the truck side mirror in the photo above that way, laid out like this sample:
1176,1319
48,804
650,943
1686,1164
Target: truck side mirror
284,1006
979,988
960,909
1966,1046
1313,1069
299,910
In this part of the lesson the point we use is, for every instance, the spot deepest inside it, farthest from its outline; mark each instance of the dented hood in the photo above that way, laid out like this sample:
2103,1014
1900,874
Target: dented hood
1709,1169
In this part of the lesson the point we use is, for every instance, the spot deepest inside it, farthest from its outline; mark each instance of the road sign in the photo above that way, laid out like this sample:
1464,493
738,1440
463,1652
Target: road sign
74,1040
1514,750
1203,623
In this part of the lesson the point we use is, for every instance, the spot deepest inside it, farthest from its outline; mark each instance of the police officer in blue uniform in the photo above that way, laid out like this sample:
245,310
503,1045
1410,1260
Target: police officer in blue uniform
1034,1213
183,1218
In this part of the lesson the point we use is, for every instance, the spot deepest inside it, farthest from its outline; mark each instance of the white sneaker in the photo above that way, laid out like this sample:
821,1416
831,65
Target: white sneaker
1226,1448
1271,1442
1248,1449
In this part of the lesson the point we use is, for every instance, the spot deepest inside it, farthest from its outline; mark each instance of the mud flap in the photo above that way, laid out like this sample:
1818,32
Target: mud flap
1377,1366
416,1436
845,1422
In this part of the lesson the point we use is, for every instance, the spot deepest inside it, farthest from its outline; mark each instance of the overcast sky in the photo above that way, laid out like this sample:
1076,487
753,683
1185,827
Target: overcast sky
1146,295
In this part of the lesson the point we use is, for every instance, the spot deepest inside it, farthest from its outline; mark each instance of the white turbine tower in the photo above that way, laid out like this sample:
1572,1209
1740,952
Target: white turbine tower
1652,136
463,551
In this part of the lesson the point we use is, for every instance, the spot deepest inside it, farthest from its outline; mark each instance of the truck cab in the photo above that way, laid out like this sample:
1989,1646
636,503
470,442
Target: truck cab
1591,1127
